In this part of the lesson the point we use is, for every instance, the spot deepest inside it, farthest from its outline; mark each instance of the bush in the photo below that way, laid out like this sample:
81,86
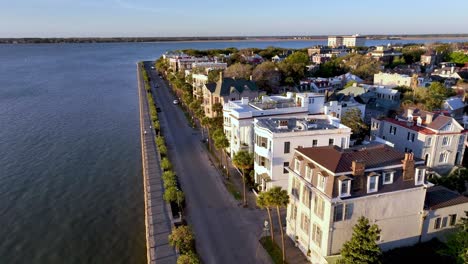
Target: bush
170,182
172,194
163,150
188,258
166,164
160,141
183,239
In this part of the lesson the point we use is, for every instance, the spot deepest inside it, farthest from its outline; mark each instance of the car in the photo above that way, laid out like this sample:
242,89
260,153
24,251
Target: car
152,67
175,102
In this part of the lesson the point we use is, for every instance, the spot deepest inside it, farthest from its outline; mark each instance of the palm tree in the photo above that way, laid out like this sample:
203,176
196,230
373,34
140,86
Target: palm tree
244,161
221,142
264,202
280,199
205,122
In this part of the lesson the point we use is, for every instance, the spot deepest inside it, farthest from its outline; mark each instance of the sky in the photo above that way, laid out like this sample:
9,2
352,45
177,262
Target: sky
156,18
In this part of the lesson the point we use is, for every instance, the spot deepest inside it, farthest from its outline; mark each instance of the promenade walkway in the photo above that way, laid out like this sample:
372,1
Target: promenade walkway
157,212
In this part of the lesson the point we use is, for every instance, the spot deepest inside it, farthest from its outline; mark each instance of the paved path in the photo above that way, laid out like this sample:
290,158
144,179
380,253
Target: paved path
158,220
225,233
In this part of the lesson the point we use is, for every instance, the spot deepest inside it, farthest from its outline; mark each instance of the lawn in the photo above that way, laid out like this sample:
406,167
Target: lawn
273,250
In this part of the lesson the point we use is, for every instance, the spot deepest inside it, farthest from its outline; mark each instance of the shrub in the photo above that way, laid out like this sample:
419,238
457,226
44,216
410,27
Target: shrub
160,141
183,239
166,164
172,194
188,258
163,150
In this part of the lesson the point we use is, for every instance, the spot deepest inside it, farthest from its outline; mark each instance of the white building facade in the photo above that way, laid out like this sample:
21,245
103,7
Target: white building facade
276,138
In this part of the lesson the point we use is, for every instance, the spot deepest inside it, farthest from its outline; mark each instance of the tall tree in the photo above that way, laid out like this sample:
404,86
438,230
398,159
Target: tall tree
221,143
353,120
362,247
239,71
280,199
264,202
244,161
267,76
457,243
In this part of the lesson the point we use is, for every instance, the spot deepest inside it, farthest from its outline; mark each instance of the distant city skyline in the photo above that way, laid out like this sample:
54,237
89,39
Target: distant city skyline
145,18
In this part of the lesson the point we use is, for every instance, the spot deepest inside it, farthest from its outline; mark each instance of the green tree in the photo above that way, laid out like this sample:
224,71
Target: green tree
218,109
183,239
280,199
267,76
412,53
239,71
294,65
213,76
221,143
361,65
436,94
264,202
188,258
352,119
172,194
169,179
458,57
244,161
457,243
362,248
166,164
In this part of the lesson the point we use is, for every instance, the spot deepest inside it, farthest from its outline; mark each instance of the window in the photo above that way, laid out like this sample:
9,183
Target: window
444,222
321,182
345,187
308,173
297,166
419,176
305,223
293,212
314,143
445,141
392,130
410,137
319,204
331,141
453,219
443,158
295,187
287,147
285,165
388,177
429,141
349,211
306,196
311,100
437,223
372,184
338,213
317,235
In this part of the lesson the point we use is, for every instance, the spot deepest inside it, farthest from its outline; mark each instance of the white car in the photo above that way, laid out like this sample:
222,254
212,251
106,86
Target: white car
175,102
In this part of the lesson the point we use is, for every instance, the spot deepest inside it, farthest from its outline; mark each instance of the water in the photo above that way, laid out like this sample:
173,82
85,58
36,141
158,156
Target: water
70,168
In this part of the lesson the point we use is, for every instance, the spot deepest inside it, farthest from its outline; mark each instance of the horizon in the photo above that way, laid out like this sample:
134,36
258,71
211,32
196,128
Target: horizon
124,18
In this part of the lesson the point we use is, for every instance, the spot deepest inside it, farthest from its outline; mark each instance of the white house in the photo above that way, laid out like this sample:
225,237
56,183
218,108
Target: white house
276,138
239,115
339,108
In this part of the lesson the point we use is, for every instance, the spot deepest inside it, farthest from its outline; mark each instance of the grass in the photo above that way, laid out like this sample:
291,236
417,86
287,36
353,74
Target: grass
232,189
273,250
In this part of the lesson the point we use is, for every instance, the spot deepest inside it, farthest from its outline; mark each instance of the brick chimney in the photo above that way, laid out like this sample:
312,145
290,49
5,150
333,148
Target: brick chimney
358,169
408,167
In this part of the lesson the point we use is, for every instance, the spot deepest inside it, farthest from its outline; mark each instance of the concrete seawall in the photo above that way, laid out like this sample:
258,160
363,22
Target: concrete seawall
158,218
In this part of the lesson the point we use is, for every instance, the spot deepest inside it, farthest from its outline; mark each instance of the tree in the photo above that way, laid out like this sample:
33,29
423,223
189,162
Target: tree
213,76
362,247
264,202
166,164
412,53
218,109
280,199
458,57
267,76
361,65
221,143
239,71
352,119
436,94
205,122
294,65
183,239
457,243
172,194
243,160
188,258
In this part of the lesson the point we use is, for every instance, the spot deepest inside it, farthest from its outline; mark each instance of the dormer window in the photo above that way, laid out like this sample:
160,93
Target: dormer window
388,177
297,166
372,183
419,179
309,171
321,182
344,187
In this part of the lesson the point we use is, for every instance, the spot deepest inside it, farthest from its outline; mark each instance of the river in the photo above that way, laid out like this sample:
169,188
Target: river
70,164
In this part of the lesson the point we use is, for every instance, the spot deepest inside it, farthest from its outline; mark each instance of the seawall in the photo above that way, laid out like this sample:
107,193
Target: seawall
158,218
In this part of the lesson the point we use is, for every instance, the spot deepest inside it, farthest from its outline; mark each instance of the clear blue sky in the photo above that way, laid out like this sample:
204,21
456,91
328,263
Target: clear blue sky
67,18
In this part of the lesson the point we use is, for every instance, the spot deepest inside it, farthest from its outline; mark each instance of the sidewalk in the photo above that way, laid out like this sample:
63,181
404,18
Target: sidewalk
293,254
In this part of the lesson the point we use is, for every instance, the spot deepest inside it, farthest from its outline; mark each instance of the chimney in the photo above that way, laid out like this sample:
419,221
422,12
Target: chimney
408,167
429,117
452,69
358,168
359,181
250,77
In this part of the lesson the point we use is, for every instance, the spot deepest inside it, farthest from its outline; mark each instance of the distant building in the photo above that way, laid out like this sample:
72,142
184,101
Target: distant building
321,58
225,90
342,104
239,115
348,41
278,58
385,55
436,138
389,79
205,67
276,138
335,41
319,85
183,62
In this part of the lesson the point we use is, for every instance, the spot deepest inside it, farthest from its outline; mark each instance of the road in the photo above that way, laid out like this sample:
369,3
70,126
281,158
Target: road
225,233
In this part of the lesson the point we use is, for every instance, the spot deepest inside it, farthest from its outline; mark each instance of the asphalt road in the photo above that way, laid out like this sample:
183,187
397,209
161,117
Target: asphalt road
225,232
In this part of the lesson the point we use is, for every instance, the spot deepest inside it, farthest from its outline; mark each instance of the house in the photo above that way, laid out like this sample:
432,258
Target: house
434,137
278,58
253,59
455,107
348,41
225,90
318,85
239,115
198,81
205,67
321,58
276,138
340,104
443,209
331,188
184,62
385,55
389,79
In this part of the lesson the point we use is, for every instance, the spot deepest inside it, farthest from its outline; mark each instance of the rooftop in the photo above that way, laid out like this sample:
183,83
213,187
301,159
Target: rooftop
439,197
294,124
339,160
